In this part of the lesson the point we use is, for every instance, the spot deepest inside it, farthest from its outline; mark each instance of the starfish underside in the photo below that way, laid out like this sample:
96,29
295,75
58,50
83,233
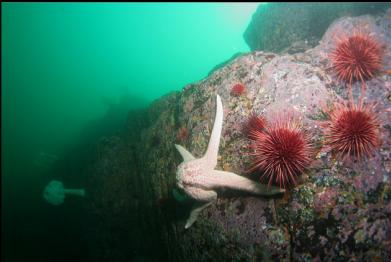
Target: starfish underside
198,177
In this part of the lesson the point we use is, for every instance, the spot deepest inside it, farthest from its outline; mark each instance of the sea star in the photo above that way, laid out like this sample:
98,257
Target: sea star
198,177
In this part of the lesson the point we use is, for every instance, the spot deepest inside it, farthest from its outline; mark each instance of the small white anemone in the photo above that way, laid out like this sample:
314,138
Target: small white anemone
54,192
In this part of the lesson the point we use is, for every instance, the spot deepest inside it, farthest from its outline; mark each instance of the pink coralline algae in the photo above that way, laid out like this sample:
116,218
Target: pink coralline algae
325,200
368,182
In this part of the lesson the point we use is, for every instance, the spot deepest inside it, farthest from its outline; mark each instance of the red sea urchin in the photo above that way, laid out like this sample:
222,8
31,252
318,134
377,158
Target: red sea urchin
357,58
352,130
238,89
254,123
282,152
182,134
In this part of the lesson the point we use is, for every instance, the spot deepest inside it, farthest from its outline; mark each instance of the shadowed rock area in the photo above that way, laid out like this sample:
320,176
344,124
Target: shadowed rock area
339,210
275,27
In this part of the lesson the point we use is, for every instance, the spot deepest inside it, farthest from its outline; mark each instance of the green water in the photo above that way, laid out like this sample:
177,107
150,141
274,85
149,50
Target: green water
65,66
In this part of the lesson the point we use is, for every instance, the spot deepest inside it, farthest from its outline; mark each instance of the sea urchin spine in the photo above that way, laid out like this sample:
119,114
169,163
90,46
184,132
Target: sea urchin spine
281,152
253,124
357,58
353,130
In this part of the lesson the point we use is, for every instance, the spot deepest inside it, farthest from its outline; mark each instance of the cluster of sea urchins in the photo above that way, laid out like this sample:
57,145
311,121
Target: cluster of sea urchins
282,150
353,129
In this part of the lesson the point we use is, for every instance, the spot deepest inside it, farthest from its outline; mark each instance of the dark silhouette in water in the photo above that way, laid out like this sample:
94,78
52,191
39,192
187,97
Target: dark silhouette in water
114,119
55,233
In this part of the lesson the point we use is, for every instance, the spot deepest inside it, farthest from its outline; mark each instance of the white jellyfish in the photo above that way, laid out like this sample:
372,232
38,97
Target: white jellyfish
54,192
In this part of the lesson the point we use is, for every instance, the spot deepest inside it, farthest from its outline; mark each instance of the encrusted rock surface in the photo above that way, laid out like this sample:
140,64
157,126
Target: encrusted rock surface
339,210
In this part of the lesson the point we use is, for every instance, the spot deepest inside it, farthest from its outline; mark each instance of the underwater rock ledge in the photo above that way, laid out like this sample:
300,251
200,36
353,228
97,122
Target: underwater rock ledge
277,26
339,210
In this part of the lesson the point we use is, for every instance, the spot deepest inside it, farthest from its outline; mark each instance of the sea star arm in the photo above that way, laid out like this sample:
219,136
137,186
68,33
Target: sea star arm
198,178
199,194
186,155
214,141
197,208
231,180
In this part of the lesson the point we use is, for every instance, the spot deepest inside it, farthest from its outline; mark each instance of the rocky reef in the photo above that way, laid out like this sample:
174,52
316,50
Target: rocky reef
283,27
339,211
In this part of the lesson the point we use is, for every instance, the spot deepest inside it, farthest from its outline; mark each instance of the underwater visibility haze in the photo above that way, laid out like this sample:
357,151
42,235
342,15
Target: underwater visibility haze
67,65
196,131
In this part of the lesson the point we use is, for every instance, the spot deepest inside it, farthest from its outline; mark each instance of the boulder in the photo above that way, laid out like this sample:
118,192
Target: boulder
339,210
276,27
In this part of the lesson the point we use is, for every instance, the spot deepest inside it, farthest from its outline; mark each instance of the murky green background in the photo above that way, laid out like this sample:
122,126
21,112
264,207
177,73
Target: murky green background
65,66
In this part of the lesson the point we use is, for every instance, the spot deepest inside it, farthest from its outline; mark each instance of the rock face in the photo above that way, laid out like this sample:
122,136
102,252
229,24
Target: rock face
338,211
277,27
